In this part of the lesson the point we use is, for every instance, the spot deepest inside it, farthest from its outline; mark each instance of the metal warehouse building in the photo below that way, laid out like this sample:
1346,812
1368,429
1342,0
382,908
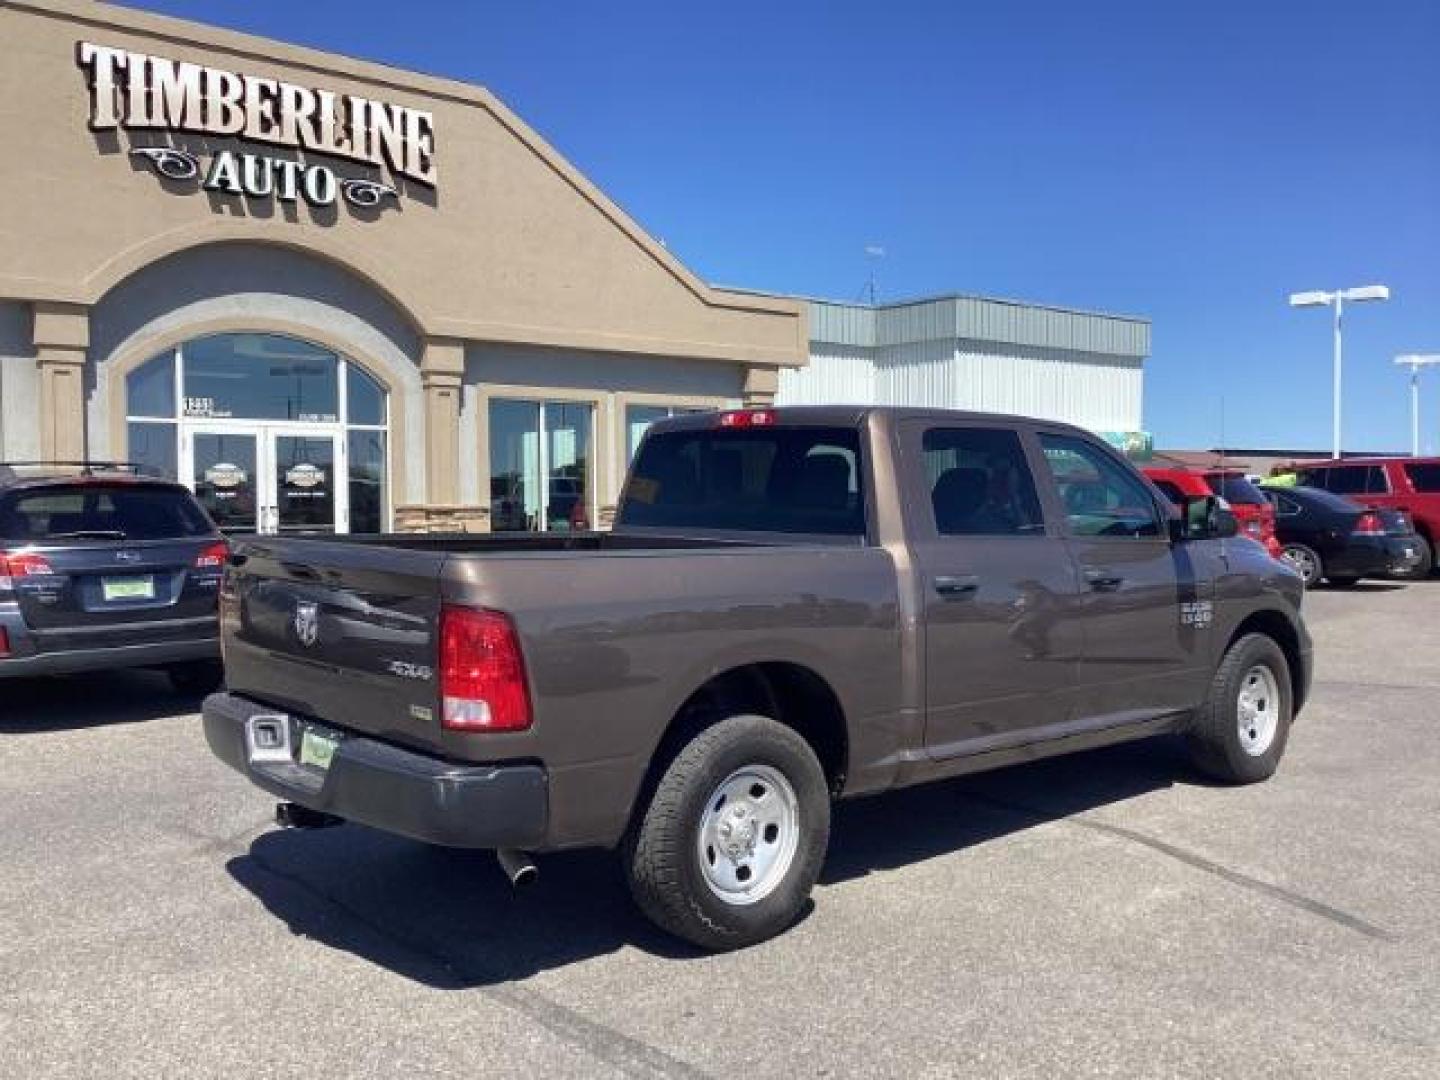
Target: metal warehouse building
968,352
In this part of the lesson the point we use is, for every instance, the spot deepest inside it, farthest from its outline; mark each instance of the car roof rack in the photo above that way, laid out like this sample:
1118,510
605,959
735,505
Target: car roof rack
10,475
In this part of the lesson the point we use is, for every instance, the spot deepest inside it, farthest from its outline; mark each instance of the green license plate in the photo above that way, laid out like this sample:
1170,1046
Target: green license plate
317,748
127,588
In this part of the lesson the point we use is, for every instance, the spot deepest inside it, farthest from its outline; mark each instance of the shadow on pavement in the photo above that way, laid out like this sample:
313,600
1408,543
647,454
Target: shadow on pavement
449,919
73,702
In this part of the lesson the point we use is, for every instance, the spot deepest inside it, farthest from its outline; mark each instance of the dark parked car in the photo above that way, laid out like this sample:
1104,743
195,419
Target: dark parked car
1328,537
102,567
795,605
1408,484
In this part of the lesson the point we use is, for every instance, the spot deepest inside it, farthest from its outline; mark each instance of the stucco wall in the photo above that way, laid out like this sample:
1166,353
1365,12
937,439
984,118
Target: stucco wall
19,385
257,288
511,245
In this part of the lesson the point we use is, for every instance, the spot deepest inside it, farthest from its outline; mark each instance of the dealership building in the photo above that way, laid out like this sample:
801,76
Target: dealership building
328,294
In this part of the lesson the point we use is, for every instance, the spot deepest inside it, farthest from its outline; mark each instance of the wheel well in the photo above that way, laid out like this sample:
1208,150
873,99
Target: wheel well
790,693
1282,631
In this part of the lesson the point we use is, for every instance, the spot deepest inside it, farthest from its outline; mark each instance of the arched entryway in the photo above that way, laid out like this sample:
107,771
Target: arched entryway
274,433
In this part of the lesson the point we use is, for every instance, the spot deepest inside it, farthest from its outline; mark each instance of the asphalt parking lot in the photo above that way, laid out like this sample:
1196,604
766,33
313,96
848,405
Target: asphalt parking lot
1109,914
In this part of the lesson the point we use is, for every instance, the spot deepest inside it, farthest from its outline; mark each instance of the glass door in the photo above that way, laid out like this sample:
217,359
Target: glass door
540,474
304,474
222,465
260,478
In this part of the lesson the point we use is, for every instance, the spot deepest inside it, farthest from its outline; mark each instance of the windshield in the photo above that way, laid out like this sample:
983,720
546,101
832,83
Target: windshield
101,512
777,480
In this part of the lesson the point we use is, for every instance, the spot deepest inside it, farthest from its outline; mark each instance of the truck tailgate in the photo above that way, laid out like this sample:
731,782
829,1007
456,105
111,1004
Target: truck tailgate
341,632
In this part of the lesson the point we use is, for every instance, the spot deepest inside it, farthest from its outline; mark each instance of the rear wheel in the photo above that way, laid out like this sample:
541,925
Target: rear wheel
197,677
1426,560
732,840
1306,560
1240,732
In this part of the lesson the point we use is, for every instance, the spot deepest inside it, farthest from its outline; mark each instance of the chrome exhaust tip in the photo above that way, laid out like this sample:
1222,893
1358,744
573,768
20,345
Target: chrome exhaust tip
289,815
518,866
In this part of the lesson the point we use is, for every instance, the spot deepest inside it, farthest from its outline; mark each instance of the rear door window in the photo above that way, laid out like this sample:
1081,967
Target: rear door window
100,512
1350,479
980,483
778,480
1426,478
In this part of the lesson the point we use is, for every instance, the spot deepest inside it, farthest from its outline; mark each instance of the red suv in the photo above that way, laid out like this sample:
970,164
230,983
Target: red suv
1408,484
1252,510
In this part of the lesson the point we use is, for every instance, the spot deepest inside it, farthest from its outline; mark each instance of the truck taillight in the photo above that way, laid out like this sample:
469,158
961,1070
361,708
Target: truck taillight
1369,525
748,418
20,564
482,674
213,556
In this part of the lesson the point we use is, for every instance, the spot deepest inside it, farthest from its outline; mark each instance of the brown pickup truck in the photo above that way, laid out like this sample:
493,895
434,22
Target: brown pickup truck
795,605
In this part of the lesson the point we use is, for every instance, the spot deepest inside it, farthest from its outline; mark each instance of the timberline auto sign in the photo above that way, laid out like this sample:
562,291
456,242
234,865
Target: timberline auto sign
139,92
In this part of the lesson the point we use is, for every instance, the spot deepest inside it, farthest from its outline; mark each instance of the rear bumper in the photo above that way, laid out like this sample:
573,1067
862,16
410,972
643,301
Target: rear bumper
31,654
390,788
1361,557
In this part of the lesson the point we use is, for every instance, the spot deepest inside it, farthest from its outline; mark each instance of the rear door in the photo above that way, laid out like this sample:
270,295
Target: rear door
105,554
1145,607
998,589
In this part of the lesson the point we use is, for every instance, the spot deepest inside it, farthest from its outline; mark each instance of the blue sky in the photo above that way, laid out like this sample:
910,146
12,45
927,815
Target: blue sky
1191,163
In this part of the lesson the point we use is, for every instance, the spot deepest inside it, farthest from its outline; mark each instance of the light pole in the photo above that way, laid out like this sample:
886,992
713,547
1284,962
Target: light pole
1415,362
1337,300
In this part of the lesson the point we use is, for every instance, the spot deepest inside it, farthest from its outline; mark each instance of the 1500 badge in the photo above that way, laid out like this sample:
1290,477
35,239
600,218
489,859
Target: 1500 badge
404,670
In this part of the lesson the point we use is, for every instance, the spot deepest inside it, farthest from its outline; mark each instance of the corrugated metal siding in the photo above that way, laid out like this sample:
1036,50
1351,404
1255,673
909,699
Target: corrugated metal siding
975,353
1100,393
978,319
836,375
842,324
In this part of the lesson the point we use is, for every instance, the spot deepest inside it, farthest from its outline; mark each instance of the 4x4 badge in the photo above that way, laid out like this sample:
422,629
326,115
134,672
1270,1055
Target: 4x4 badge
307,623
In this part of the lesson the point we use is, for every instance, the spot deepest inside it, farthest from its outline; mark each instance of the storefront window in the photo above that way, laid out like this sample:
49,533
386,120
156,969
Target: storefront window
367,481
258,432
540,477
366,398
150,388
152,446
260,377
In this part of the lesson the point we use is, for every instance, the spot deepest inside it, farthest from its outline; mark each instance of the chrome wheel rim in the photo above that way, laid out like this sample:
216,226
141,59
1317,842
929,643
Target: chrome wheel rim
749,833
1303,561
1257,710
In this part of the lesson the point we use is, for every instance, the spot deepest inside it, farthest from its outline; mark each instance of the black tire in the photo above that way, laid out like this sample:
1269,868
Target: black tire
1343,581
1425,564
197,677
1215,740
662,850
1306,560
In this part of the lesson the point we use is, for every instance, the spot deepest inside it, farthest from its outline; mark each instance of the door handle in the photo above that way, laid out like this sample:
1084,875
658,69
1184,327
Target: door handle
1103,580
957,586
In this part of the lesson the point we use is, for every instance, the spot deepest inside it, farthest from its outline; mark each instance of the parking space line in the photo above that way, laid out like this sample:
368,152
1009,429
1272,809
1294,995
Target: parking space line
1199,862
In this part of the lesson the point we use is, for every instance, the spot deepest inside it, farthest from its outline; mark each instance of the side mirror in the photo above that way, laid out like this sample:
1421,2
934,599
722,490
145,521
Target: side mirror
1205,518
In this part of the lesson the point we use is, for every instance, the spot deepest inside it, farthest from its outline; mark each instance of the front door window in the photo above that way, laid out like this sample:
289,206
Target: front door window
224,478
306,495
